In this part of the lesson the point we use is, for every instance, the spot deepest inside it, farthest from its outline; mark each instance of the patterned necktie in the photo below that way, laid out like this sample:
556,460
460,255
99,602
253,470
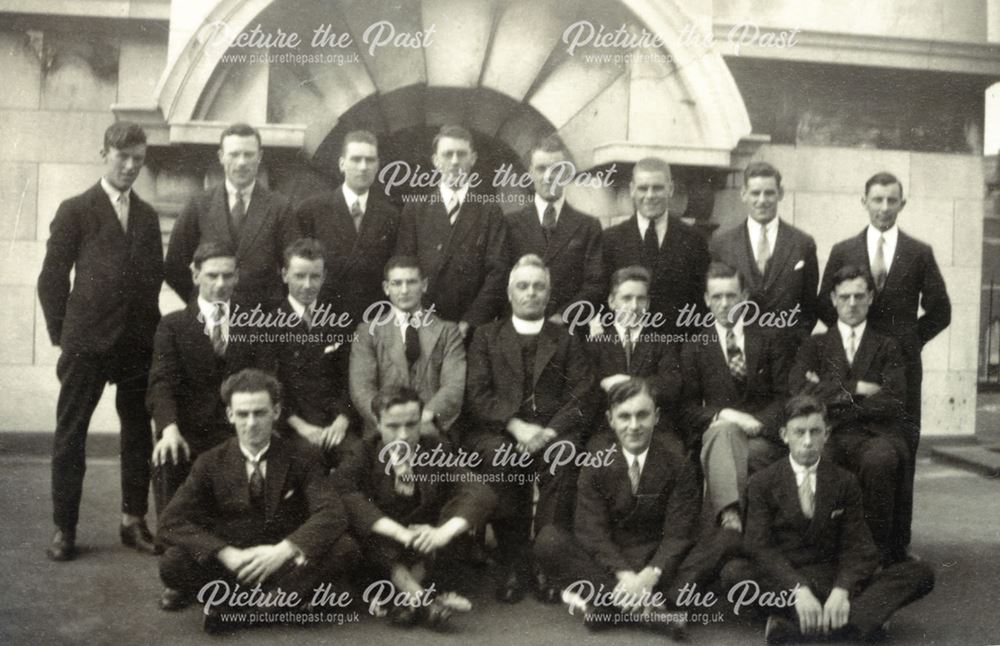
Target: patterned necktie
763,251
629,349
412,343
737,363
852,347
633,475
257,482
650,246
403,483
357,214
878,264
218,338
121,208
806,497
549,220
454,206
238,214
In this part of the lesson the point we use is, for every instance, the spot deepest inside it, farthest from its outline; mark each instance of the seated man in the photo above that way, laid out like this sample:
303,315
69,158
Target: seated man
529,384
256,510
735,382
194,350
406,512
629,348
861,377
808,539
635,524
403,345
311,352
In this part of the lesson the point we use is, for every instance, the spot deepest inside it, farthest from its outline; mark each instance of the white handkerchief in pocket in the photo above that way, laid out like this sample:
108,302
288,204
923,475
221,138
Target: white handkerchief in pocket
288,494
332,348
800,264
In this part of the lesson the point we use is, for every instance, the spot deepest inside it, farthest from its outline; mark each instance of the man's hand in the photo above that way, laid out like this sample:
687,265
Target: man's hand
747,422
809,610
463,328
315,435
630,591
334,434
233,558
557,319
812,377
836,610
524,432
171,446
608,382
428,427
264,561
867,388
596,329
428,539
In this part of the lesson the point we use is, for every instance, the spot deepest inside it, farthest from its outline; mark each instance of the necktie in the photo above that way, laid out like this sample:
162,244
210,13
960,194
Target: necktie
549,220
737,363
356,214
237,214
218,338
629,349
633,475
763,251
453,208
878,264
650,246
257,482
852,346
806,497
403,483
307,317
412,343
121,208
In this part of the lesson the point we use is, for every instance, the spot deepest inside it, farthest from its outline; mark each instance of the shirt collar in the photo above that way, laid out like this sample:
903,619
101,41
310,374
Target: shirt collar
753,226
259,457
527,327
801,470
447,192
737,329
297,307
231,190
402,318
629,458
891,235
541,204
353,197
660,222
113,192
631,333
207,309
845,329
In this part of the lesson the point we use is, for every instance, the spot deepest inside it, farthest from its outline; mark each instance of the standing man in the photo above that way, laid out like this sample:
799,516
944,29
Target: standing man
241,213
104,326
460,240
569,242
673,252
357,228
907,279
777,260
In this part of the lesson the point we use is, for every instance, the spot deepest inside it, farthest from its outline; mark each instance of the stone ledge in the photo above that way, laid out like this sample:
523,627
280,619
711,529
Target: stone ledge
982,459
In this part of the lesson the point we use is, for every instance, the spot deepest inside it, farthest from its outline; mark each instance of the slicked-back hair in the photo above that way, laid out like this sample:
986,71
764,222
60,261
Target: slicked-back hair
402,262
802,406
124,134
850,272
305,248
452,131
212,249
625,274
626,390
883,179
652,165
761,169
241,130
550,144
359,137
719,269
529,260
394,395
250,380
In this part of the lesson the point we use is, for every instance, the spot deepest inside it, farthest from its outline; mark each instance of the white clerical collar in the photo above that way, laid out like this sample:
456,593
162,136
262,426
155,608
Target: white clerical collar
522,326
351,197
541,204
113,192
845,329
631,457
890,235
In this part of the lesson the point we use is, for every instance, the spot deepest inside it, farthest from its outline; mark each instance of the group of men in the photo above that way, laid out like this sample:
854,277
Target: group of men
340,339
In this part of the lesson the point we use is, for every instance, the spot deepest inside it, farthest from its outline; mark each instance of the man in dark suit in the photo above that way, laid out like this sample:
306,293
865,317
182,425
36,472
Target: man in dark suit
674,253
567,240
110,238
311,350
460,239
630,348
811,546
256,510
357,228
907,279
859,374
241,213
635,524
529,384
404,345
195,349
777,260
407,510
735,382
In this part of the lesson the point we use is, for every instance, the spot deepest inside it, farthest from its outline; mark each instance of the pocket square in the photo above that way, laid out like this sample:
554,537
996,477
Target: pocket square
288,494
835,513
799,265
332,348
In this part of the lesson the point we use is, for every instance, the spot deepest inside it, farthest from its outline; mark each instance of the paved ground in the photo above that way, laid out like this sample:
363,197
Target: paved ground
109,595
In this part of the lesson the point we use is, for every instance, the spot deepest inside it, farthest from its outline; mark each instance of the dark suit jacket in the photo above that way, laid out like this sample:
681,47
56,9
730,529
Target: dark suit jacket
116,288
574,255
269,227
657,362
355,260
311,364
186,375
679,273
562,381
212,508
466,265
369,492
792,273
913,280
876,360
709,387
622,531
782,540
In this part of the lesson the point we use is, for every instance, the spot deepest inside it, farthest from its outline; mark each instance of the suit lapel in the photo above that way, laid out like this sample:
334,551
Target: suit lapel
204,354
779,257
510,347
788,496
533,228
863,354
823,500
256,214
466,220
836,354
235,474
745,260
277,468
566,226
428,335
548,341
900,259
718,364
215,225
435,218
102,204
753,349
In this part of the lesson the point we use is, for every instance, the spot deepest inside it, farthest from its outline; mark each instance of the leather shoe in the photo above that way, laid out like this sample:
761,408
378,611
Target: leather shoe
780,631
137,536
63,546
511,589
172,600
545,592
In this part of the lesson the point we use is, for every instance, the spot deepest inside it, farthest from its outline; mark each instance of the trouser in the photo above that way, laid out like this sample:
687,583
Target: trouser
728,458
81,382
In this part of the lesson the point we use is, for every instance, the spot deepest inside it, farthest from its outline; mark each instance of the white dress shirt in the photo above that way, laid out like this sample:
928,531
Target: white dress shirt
403,320
845,335
737,329
803,472
351,197
630,458
245,192
888,250
541,204
251,458
207,310
447,194
114,195
661,227
754,227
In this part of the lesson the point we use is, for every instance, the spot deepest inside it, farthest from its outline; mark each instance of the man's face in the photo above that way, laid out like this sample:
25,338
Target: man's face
304,278
805,437
651,191
721,296
633,421
122,165
240,157
884,202
454,158
528,293
761,196
216,278
852,300
400,423
253,414
629,302
405,288
358,164
541,161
